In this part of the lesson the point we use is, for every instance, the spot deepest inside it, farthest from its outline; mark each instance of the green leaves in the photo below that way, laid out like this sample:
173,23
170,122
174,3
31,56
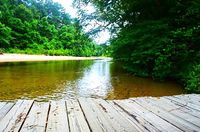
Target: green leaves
193,80
38,26
154,38
23,13
5,36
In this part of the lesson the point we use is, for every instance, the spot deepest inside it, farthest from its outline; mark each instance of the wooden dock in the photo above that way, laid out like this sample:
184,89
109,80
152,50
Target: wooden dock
173,113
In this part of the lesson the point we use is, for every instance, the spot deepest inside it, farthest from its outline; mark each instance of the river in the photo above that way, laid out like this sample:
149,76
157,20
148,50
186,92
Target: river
70,79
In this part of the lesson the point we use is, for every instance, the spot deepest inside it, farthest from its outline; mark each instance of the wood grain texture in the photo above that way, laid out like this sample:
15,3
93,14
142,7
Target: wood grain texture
36,119
142,114
16,116
149,116
76,117
173,119
96,120
58,119
119,120
5,109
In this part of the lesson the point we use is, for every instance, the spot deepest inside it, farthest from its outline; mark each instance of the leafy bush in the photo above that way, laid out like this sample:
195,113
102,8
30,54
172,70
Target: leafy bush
162,47
193,81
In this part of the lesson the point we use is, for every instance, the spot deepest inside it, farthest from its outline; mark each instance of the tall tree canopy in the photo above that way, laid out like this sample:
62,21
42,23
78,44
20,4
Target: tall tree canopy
42,26
153,38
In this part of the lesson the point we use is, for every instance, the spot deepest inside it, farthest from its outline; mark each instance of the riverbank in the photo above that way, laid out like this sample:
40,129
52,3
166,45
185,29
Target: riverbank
24,57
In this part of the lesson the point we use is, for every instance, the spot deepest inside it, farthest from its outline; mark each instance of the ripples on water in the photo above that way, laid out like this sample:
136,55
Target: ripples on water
72,79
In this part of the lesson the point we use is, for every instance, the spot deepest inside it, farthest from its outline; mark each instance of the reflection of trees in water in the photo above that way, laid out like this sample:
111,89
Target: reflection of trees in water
116,68
126,85
35,79
63,79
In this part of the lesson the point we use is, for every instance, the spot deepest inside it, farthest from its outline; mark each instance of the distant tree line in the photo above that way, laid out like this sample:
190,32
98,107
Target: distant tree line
42,27
153,38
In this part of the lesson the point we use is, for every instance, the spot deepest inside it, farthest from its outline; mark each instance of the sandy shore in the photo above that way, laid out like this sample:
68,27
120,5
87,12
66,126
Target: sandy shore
23,57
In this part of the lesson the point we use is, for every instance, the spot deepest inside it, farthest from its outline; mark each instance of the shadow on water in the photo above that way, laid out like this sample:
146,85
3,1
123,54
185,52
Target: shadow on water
71,79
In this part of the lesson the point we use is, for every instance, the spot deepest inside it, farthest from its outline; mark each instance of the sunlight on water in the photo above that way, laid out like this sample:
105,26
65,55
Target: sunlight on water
72,79
96,81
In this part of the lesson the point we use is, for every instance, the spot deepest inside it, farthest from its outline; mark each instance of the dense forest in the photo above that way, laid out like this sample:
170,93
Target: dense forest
42,27
153,38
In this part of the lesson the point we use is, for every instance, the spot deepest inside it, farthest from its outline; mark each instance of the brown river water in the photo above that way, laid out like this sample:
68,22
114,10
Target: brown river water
50,80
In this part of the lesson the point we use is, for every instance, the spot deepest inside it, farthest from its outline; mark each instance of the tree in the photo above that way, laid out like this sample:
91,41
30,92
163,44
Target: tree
153,38
5,36
23,13
41,26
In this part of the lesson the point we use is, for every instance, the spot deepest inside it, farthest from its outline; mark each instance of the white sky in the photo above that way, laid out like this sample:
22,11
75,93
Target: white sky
67,4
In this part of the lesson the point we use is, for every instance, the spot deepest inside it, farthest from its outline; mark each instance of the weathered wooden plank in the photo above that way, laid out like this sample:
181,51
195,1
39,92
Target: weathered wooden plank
131,115
183,103
77,121
117,119
135,113
5,109
177,121
58,119
190,116
172,106
36,119
177,113
15,117
149,116
95,118
195,95
194,99
2,104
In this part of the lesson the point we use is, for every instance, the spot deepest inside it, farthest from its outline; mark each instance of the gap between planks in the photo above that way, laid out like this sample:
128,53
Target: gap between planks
87,114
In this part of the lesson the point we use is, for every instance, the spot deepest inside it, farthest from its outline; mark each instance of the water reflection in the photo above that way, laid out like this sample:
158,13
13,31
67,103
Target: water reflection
96,81
71,79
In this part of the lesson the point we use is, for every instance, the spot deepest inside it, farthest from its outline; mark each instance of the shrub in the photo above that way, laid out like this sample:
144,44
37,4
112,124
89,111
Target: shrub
193,81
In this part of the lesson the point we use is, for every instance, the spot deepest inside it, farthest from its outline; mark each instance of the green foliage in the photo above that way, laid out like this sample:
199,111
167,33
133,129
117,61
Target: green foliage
193,81
145,50
5,36
1,51
23,13
153,38
104,50
41,27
